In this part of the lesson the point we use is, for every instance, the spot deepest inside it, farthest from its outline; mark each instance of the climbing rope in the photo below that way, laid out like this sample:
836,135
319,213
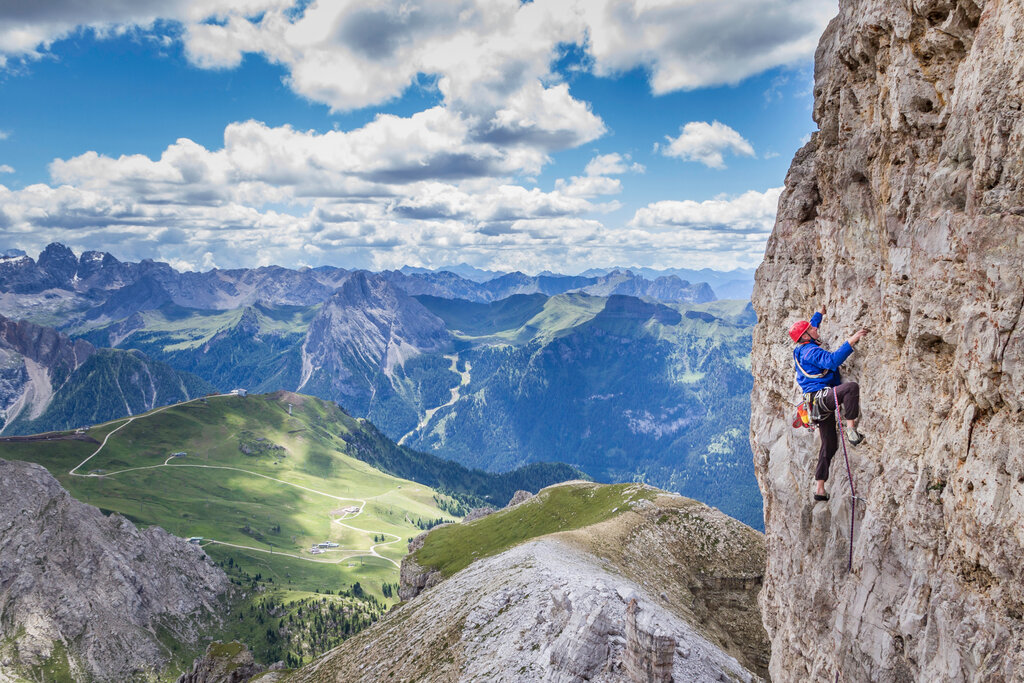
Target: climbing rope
849,474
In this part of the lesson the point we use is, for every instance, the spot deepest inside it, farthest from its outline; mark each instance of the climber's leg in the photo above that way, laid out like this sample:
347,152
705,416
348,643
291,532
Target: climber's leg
829,444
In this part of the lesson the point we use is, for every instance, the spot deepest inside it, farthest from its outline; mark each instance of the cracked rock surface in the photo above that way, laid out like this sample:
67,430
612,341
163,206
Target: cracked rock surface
903,214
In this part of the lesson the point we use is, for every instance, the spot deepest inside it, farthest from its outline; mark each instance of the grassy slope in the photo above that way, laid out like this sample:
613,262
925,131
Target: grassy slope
236,507
190,500
557,508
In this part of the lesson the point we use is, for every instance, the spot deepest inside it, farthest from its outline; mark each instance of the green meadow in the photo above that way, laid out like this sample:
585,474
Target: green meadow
260,485
562,507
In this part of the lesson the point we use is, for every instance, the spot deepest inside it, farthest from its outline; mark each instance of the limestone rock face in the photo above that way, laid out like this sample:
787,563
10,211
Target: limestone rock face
91,588
903,214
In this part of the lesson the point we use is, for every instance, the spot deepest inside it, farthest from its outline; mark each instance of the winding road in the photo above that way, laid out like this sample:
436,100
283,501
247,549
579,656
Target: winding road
357,552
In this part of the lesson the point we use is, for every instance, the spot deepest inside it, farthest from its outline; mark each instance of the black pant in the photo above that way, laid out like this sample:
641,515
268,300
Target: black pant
848,394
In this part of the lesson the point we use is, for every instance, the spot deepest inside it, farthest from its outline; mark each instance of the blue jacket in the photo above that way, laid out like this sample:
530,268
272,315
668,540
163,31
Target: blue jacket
817,361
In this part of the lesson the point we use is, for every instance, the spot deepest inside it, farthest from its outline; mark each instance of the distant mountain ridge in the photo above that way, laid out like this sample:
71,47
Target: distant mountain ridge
97,287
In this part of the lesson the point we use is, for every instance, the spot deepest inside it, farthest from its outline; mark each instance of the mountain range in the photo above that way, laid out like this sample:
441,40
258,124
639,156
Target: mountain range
61,288
495,375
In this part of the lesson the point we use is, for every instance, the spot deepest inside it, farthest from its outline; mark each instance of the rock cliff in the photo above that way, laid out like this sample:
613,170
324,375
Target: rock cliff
92,595
903,214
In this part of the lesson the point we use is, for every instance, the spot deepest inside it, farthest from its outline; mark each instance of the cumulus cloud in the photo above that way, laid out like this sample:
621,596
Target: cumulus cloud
750,212
688,45
595,180
350,56
27,28
482,52
424,189
707,143
4,134
4,168
733,229
397,185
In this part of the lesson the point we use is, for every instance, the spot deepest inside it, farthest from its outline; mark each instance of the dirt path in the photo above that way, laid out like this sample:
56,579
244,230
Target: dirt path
358,552
456,395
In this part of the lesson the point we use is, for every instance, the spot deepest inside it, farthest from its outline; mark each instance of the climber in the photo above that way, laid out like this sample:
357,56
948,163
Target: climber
817,373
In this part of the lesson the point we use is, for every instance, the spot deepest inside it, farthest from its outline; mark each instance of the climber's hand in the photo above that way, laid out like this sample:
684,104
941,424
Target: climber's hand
857,336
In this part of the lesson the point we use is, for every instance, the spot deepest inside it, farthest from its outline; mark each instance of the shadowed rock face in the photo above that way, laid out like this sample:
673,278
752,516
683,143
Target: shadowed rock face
94,589
903,214
45,345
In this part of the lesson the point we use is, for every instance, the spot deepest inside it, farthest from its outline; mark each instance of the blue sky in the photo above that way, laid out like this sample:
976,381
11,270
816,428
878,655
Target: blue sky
549,135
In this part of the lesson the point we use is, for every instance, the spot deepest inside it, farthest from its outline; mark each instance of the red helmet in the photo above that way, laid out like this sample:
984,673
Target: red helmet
797,329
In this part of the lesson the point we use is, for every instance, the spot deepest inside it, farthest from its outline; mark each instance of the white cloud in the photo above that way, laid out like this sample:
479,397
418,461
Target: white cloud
749,213
707,143
424,223
595,180
688,45
350,55
723,229
612,164
428,188
4,168
3,133
27,28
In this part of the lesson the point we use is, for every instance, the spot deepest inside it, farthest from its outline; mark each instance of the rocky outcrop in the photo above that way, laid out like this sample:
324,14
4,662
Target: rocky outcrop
903,214
414,578
664,591
649,655
519,497
223,663
93,589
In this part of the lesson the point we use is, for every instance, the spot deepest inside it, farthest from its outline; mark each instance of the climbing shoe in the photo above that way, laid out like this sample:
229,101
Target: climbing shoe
821,496
854,437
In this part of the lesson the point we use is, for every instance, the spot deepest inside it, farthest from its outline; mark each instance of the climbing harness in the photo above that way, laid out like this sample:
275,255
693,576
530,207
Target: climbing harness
849,474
